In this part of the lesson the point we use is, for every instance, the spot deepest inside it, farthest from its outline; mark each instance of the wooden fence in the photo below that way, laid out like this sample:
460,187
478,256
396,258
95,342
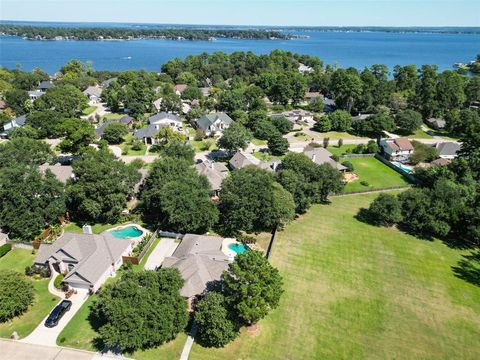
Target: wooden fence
135,260
346,156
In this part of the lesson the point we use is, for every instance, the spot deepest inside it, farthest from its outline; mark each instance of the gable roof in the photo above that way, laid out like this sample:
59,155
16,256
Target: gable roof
180,87
320,155
107,82
91,254
46,84
126,120
61,172
209,119
163,116
149,131
242,159
200,260
215,173
93,91
437,122
448,148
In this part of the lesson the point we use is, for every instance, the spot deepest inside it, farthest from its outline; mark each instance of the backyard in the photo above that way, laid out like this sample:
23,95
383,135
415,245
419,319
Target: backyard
356,291
17,260
372,175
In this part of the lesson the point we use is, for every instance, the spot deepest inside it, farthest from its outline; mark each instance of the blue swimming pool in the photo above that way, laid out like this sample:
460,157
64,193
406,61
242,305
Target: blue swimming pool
238,248
127,232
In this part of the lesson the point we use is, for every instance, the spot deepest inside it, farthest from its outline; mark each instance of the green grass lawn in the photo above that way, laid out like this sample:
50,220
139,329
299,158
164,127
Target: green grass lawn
356,291
336,150
112,116
96,228
89,110
200,145
259,142
17,260
339,135
377,174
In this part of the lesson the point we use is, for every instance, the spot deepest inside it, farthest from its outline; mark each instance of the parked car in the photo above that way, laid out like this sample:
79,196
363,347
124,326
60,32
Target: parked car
58,313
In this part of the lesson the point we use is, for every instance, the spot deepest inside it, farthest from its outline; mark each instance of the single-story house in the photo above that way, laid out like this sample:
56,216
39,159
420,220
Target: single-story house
398,149
13,124
200,261
448,150
297,116
107,82
214,123
312,96
127,120
214,172
304,69
45,85
87,260
166,119
320,155
35,94
93,93
61,172
242,159
436,123
180,88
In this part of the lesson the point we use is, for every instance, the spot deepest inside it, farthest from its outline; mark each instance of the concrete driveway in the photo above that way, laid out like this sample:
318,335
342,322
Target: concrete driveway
48,336
164,248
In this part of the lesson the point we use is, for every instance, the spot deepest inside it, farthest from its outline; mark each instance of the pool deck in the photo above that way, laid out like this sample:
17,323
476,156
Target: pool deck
226,250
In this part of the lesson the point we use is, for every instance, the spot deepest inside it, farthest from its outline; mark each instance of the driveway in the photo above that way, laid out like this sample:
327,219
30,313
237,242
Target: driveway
164,248
48,336
15,350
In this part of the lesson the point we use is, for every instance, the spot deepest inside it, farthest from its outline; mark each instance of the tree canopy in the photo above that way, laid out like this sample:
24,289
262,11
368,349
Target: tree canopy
16,295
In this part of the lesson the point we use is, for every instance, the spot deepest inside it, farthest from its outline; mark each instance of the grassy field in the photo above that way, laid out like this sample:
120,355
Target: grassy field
112,116
17,260
336,150
373,171
356,291
201,145
339,135
259,142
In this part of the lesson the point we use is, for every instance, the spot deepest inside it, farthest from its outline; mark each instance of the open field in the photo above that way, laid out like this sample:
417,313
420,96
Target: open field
355,291
373,171
17,260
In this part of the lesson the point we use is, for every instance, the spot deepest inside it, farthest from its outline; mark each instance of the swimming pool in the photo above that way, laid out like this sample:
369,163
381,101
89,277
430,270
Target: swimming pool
402,167
127,232
238,248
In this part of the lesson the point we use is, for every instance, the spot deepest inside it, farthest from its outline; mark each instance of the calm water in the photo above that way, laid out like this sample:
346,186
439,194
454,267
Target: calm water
345,49
127,232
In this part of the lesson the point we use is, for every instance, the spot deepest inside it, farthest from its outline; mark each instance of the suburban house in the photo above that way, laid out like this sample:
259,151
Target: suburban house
13,124
164,119
441,162
93,93
214,123
45,85
214,172
200,261
127,120
320,155
61,172
398,149
87,260
242,159
436,124
448,150
107,82
147,134
311,96
304,69
297,116
3,238
35,94
180,88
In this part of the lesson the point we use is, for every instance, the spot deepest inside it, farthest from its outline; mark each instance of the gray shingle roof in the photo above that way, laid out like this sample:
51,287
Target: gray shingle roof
215,173
149,131
61,172
241,160
93,90
208,120
320,155
448,148
163,116
200,260
45,85
91,254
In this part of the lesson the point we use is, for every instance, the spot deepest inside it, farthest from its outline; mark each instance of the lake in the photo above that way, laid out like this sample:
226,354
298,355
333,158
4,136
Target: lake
357,49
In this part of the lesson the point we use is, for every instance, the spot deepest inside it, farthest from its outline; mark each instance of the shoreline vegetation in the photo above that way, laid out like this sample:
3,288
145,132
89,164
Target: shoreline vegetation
99,33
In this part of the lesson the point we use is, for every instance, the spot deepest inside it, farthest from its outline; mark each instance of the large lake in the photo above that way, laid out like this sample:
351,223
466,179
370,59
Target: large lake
358,49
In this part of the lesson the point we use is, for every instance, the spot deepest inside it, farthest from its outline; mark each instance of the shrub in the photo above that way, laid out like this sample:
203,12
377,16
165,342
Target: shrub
43,271
385,210
58,281
4,249
348,165
364,183
246,239
137,144
16,294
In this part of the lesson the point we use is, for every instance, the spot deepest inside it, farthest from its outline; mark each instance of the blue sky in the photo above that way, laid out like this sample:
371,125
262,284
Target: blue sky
248,12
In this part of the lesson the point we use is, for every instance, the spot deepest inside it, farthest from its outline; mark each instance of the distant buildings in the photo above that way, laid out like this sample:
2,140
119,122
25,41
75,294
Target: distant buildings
13,124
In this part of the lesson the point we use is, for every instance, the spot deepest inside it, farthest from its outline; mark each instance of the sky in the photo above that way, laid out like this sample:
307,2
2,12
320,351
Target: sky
249,12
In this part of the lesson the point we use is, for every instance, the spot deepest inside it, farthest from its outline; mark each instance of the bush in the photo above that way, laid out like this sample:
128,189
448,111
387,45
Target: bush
4,249
16,294
246,239
348,165
385,210
58,281
43,271
364,183
137,144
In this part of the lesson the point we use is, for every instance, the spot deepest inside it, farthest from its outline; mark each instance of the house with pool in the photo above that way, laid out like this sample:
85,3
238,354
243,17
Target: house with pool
87,260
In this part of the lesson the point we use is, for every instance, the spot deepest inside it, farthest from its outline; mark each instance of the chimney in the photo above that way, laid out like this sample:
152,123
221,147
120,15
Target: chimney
87,229
314,157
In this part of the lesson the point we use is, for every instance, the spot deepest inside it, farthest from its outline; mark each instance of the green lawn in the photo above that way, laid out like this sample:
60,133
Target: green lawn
377,174
17,260
89,110
200,145
126,146
96,228
112,116
356,291
339,135
336,150
259,142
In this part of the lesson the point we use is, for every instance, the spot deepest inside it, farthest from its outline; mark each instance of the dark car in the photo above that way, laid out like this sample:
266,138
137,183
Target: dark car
57,313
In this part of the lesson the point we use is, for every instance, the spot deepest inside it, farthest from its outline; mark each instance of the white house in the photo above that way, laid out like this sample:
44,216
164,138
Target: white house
93,93
398,149
214,123
86,260
166,119
13,124
35,94
304,69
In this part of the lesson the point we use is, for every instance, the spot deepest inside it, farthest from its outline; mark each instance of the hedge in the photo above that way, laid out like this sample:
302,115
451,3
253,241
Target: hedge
5,249
58,281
